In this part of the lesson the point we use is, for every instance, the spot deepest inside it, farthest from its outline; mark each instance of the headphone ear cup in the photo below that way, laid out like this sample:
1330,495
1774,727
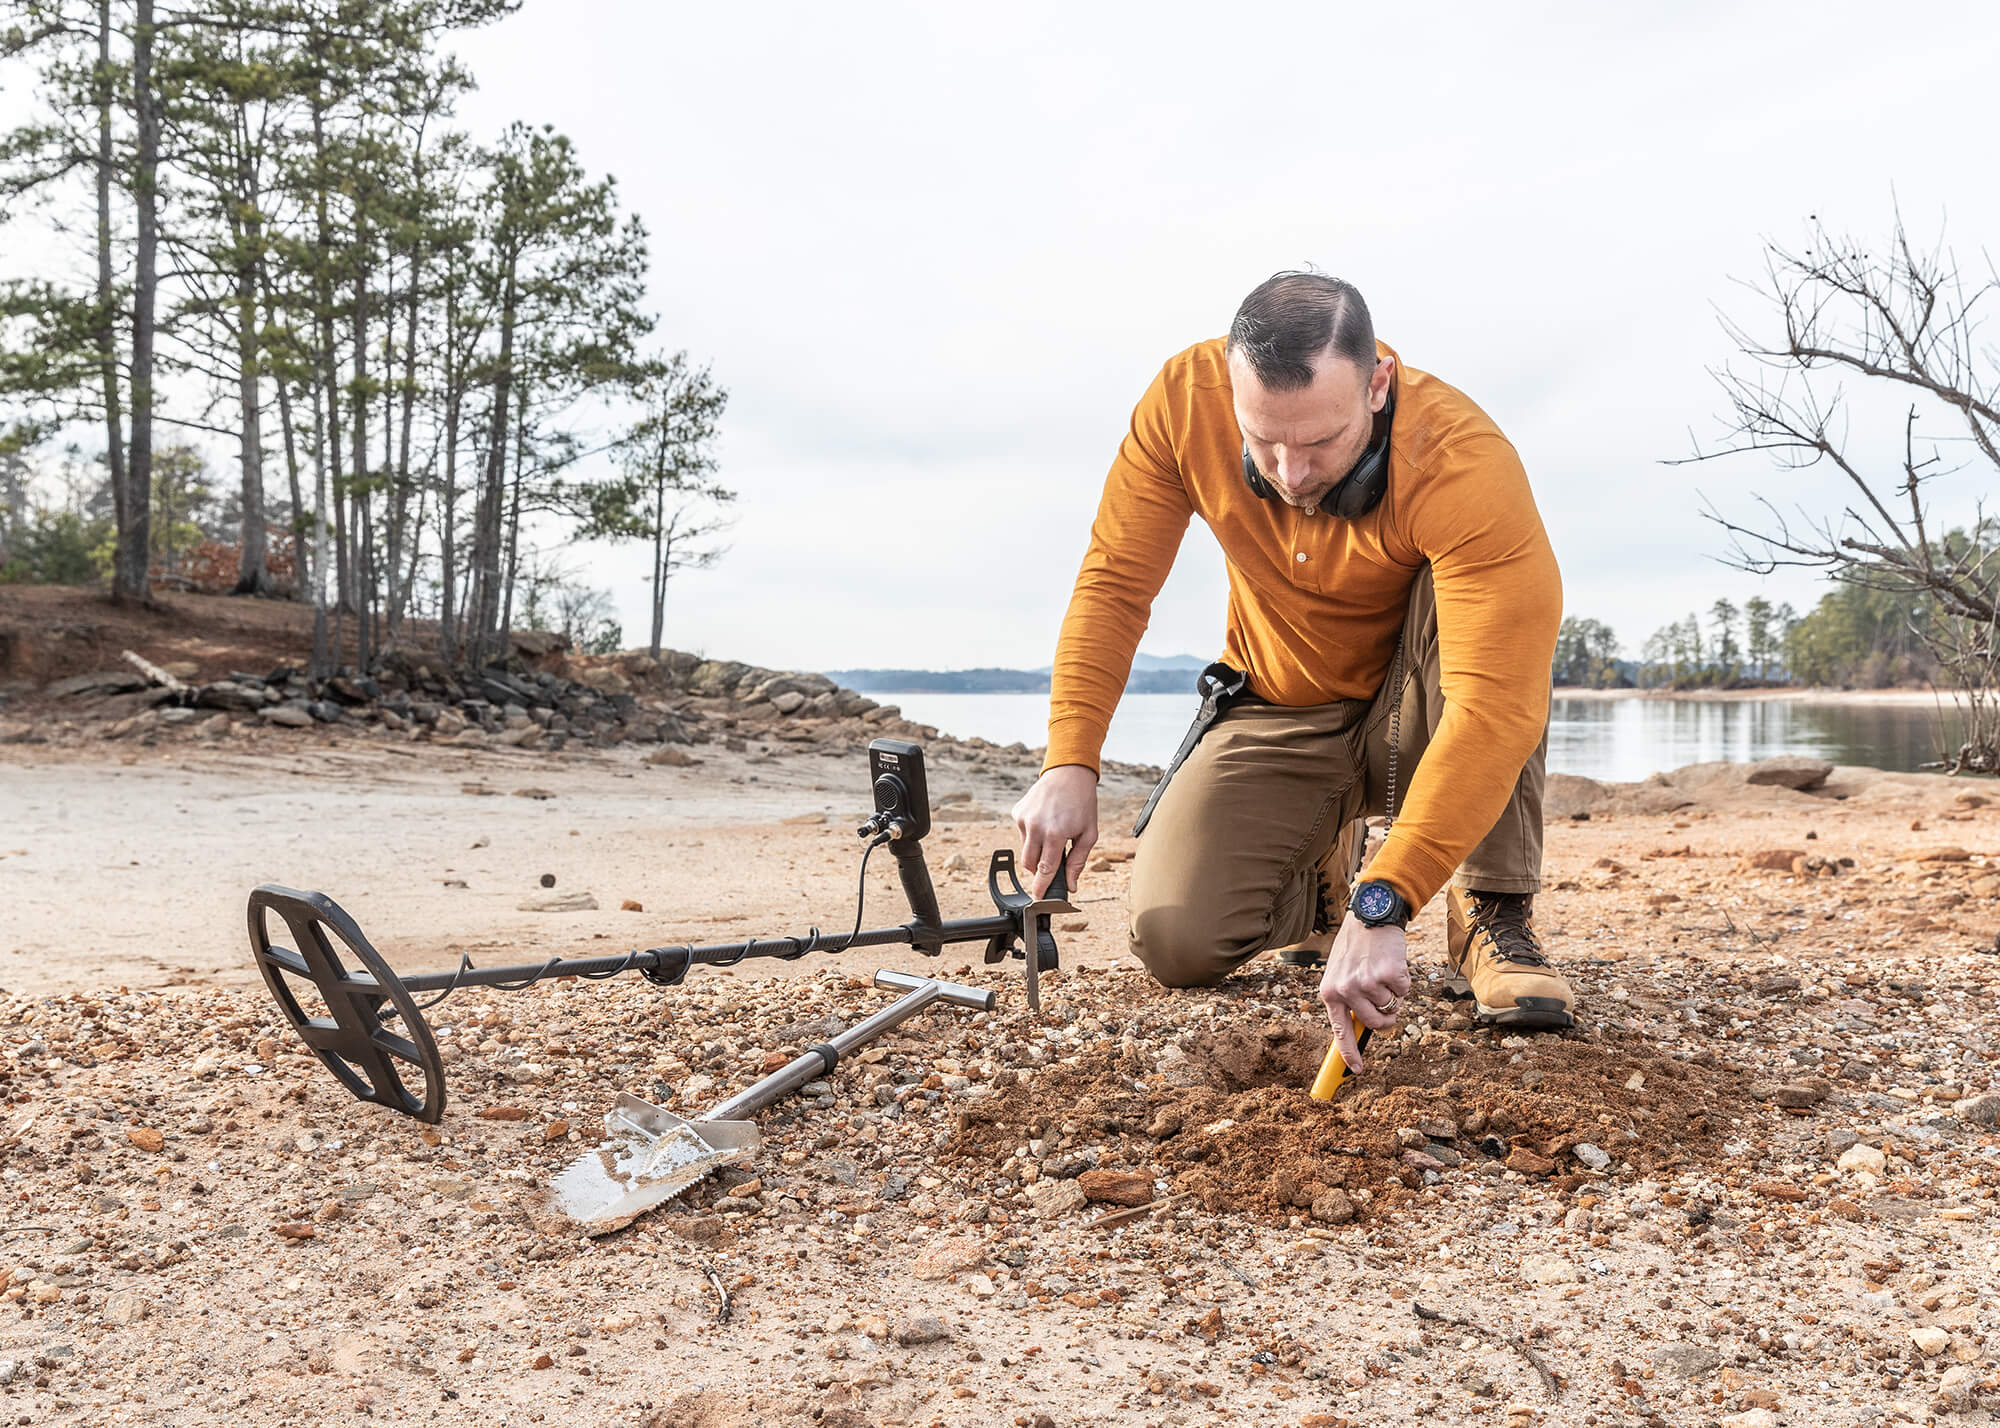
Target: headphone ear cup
1253,478
1361,488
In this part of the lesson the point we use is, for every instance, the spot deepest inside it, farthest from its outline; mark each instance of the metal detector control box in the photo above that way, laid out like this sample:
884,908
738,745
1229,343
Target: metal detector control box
902,797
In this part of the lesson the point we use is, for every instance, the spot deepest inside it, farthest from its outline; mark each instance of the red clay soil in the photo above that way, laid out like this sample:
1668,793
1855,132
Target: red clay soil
50,632
1247,1139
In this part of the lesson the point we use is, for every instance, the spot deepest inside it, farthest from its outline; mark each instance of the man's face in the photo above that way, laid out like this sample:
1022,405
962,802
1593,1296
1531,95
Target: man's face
1305,441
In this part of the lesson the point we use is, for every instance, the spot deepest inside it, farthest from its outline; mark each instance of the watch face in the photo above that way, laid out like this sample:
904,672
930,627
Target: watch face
1375,901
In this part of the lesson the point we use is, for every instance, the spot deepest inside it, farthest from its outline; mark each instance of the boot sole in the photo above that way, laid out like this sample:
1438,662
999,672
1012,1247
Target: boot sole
1531,1013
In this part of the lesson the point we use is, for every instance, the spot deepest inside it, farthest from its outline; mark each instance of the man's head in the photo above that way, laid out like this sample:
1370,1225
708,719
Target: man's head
1306,380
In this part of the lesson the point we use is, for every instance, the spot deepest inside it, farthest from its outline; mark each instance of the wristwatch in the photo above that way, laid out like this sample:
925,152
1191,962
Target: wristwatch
1378,905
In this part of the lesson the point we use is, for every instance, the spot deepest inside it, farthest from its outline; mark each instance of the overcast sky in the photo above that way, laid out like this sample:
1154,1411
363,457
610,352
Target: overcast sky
936,253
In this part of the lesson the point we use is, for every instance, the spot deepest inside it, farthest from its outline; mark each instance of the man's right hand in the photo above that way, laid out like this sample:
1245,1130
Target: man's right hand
1061,809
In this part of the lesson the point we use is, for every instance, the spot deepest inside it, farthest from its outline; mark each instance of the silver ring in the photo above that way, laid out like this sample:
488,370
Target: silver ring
1388,1008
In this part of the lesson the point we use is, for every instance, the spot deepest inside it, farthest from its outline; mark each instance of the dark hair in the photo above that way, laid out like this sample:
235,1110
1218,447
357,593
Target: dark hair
1291,318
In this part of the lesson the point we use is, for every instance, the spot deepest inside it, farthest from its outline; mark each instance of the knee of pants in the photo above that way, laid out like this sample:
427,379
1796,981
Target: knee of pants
1177,951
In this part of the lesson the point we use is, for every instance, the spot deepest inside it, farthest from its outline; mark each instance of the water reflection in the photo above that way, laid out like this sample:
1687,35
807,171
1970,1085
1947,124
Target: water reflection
1627,739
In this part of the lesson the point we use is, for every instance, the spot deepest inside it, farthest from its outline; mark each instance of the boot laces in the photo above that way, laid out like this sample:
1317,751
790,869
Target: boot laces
1504,918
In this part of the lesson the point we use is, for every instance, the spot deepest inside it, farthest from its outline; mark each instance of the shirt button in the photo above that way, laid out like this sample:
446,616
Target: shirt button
1302,557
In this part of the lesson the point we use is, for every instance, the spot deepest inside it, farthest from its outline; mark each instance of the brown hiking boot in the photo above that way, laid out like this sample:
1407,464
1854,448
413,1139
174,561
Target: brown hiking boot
1498,961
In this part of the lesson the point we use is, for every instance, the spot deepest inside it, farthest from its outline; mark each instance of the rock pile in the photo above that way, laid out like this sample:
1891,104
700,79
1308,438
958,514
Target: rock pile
540,697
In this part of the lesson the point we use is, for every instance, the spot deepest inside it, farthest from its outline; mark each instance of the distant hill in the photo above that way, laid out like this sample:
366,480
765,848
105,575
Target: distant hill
1151,674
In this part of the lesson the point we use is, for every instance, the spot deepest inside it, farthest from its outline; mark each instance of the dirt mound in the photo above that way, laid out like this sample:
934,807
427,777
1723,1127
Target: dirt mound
1232,1123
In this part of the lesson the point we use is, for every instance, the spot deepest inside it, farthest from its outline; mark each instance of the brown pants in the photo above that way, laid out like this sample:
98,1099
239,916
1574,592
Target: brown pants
1263,820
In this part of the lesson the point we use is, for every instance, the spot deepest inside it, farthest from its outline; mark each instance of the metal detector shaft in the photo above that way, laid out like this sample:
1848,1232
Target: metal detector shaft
678,959
813,1064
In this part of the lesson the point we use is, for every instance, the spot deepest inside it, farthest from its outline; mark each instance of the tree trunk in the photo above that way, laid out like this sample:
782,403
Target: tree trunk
253,575
514,519
401,526
364,531
322,657
129,577
329,378
107,318
661,549
485,611
448,512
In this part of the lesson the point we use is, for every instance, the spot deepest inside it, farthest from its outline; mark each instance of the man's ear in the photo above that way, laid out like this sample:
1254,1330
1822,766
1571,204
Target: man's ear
1378,383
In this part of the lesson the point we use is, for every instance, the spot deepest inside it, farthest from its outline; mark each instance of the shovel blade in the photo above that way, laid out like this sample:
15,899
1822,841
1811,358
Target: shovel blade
648,1156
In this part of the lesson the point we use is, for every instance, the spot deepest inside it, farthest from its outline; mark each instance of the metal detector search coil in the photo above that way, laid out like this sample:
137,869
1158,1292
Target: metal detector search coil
364,1022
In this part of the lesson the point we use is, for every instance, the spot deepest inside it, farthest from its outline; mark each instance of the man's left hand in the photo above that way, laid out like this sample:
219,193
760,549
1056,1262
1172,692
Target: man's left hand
1367,977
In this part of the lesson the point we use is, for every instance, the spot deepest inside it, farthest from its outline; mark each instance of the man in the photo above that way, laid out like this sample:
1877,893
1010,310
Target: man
1372,517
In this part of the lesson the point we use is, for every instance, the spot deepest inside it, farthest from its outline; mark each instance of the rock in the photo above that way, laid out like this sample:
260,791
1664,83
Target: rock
1980,1110
145,1138
1958,1390
1571,796
124,1307
1687,1360
1591,1156
1771,860
1333,1208
1930,1341
561,902
103,681
672,756
1861,1157
534,644
1054,1198
287,716
1549,1269
503,1113
1794,771
924,1329
1527,1162
944,1258
1751,1418
227,694
1116,1187
1943,853
631,904
790,702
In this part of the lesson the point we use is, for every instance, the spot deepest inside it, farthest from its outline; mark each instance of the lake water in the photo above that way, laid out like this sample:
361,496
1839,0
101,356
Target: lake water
1623,739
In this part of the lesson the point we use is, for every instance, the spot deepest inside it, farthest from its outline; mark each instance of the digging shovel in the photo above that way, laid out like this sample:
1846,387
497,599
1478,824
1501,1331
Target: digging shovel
649,1155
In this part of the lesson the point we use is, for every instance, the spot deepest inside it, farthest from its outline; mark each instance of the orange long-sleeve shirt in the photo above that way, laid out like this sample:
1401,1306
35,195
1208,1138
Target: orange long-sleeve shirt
1316,602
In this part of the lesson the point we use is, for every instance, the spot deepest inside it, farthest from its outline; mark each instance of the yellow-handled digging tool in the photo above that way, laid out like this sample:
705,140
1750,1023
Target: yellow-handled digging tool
1333,1070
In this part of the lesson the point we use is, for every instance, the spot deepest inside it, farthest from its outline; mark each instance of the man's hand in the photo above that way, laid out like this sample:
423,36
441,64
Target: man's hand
1060,809
1367,975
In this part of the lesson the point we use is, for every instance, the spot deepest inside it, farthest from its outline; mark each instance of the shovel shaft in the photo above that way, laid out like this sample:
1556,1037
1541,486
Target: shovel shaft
819,1061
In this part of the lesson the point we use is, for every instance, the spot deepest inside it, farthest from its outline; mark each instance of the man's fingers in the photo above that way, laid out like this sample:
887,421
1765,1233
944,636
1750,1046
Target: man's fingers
1370,1012
1343,1037
1079,855
1031,846
1045,869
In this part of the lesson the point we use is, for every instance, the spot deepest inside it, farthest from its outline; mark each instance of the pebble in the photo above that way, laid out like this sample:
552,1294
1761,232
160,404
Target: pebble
944,1258
1333,1208
124,1307
924,1329
1594,1157
1549,1269
1687,1360
1980,1110
1861,1157
1930,1342
1752,1418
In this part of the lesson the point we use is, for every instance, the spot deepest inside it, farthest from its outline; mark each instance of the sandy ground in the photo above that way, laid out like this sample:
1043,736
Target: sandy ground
1756,1186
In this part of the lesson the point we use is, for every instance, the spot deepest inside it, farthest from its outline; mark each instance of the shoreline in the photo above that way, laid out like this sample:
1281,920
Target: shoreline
1908,698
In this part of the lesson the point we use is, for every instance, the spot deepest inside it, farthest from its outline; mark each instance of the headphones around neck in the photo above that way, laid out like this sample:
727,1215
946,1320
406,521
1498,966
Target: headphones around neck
1356,493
